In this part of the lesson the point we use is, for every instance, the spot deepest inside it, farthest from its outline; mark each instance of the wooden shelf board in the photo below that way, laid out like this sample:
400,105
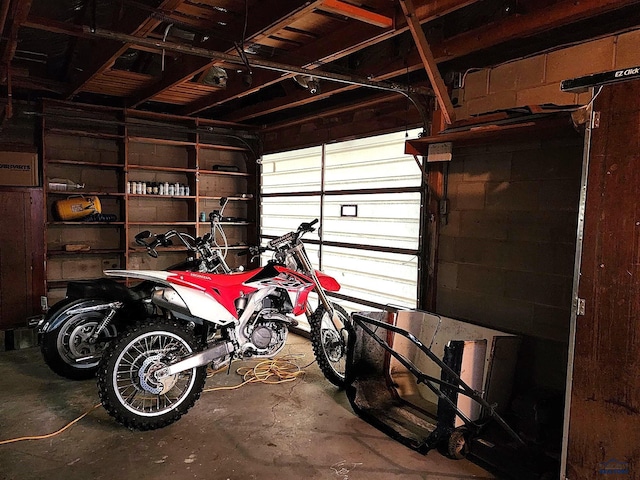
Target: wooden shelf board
170,197
162,141
67,193
232,224
84,133
163,222
162,169
211,146
79,163
223,173
498,129
174,249
86,224
97,251
231,198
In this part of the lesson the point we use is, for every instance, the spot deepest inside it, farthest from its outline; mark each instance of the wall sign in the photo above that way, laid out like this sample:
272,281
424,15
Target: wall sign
614,76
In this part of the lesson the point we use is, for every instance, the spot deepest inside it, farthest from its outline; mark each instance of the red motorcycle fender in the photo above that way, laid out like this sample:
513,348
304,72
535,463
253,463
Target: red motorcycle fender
328,283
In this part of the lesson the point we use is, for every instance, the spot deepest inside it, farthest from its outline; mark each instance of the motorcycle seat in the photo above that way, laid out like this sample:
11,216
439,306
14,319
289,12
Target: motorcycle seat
103,289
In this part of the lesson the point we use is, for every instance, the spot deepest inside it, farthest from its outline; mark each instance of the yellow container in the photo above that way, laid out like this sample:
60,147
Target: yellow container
74,208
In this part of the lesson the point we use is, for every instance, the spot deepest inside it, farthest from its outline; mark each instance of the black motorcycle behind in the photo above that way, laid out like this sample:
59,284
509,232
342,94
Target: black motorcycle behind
75,331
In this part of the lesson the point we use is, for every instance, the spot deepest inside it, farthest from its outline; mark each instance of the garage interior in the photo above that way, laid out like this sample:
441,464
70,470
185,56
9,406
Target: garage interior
520,166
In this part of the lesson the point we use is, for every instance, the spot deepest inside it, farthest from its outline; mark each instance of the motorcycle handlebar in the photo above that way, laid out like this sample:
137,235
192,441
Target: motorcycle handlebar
292,237
164,240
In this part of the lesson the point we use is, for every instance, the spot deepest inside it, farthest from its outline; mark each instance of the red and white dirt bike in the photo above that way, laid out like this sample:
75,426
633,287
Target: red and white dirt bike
156,369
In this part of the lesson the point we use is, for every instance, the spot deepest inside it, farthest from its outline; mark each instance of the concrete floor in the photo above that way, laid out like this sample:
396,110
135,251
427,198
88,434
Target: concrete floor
300,430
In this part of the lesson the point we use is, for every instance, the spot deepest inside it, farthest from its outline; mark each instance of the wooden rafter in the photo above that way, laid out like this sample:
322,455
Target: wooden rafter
4,13
428,61
357,13
19,12
294,99
263,23
327,47
311,56
461,45
139,25
257,63
331,47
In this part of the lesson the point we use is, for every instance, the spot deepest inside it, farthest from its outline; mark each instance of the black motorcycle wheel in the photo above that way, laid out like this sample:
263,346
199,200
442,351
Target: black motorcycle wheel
329,345
64,345
127,387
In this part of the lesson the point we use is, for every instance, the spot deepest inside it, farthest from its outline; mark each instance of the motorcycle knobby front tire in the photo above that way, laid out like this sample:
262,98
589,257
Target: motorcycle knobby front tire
329,345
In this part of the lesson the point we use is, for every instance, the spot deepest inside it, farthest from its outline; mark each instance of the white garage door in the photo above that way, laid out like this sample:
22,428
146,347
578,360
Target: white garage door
367,194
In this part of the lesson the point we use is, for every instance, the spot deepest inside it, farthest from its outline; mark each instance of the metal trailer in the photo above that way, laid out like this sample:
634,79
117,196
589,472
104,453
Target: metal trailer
444,393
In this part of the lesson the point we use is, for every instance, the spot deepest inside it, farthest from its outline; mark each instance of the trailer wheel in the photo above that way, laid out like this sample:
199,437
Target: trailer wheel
458,444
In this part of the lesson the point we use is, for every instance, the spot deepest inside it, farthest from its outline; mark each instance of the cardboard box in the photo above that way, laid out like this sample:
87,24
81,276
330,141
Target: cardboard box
19,169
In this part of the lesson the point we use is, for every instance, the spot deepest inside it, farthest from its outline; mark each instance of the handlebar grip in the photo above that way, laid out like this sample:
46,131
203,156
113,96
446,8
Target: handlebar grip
307,226
142,236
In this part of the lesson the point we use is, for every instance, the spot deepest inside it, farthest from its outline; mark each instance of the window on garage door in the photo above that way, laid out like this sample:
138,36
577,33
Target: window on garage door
367,194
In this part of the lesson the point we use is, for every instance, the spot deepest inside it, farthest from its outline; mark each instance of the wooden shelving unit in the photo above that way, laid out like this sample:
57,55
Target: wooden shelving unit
107,149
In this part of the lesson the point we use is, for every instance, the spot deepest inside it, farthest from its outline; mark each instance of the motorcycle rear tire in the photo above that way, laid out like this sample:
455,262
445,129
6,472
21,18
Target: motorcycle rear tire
126,385
329,346
62,345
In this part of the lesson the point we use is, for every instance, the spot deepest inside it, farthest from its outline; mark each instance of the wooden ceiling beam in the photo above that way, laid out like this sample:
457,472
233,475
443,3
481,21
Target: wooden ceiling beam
138,24
428,61
558,15
311,56
256,62
375,99
264,22
19,12
334,46
54,26
357,13
519,27
533,23
297,98
4,13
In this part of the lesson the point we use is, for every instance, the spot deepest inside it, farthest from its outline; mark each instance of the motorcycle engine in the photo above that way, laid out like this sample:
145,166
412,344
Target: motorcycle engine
268,332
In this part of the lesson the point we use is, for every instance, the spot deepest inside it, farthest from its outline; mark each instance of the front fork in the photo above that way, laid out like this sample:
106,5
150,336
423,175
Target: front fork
322,296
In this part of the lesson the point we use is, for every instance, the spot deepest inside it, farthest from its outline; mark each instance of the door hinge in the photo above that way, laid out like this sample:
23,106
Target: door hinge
595,120
581,307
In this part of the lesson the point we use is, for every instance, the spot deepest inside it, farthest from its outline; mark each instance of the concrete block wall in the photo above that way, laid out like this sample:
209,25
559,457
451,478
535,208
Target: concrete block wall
506,254
536,80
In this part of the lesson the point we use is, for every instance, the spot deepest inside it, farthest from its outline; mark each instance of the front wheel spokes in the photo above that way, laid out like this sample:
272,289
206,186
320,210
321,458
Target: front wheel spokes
332,344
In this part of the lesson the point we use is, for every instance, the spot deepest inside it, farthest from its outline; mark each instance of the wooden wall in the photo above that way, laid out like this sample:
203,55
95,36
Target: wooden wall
604,425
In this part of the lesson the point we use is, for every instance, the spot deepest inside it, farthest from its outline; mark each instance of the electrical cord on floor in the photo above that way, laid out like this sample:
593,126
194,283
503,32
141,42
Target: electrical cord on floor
274,371
49,435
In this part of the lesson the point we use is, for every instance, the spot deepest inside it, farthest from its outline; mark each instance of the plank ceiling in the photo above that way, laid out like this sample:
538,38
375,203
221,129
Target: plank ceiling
250,61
